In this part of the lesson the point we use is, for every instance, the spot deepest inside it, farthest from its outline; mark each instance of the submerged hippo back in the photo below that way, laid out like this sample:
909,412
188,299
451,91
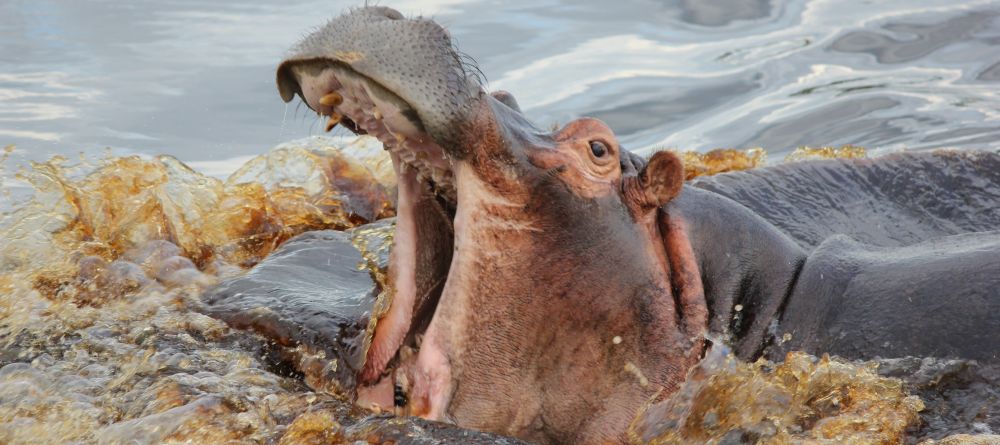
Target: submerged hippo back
893,200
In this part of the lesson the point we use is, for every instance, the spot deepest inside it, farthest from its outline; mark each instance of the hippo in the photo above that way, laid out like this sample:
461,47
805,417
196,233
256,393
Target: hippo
548,284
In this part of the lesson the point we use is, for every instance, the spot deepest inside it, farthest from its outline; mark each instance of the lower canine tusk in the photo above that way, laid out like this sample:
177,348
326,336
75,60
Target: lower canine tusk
334,120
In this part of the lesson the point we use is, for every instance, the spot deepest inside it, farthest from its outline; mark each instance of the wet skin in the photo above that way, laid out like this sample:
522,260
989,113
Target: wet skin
554,282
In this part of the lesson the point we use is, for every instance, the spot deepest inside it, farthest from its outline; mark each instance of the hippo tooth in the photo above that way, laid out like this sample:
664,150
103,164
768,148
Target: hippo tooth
377,114
331,100
405,353
334,120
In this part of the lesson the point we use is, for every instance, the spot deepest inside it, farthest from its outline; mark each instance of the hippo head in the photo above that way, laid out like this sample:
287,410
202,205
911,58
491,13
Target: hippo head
534,271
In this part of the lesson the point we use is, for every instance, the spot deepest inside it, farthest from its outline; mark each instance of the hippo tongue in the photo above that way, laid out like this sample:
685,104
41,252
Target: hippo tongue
418,268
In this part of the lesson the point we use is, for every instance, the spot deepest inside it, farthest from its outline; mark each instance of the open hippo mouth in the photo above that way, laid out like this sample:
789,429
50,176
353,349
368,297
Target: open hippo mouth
365,86
363,106
504,238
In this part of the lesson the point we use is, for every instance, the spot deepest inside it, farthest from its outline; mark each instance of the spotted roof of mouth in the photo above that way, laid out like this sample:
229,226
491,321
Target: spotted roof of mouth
364,107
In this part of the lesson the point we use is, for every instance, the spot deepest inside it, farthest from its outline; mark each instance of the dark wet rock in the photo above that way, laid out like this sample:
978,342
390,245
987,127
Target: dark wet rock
313,298
332,421
415,431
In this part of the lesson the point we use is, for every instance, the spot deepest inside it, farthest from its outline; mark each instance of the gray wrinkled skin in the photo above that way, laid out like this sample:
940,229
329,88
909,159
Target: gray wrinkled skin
414,58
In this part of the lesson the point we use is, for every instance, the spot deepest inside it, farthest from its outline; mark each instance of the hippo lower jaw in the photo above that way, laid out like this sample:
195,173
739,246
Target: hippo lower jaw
425,208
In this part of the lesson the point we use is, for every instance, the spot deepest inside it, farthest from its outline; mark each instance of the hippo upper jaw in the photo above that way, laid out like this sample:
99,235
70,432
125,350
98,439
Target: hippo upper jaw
401,76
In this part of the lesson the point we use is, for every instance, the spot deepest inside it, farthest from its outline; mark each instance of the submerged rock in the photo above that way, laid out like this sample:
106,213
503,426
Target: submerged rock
314,299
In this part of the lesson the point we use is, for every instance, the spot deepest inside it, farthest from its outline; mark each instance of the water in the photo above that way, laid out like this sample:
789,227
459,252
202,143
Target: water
195,79
100,339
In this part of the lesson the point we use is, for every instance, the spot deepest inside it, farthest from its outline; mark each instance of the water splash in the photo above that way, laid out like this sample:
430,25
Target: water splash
720,161
802,400
102,270
99,273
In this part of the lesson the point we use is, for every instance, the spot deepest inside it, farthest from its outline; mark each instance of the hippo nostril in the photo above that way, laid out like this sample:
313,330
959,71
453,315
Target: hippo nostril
389,13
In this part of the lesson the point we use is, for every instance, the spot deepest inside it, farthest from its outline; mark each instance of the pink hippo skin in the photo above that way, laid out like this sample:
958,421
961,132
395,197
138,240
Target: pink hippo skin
570,299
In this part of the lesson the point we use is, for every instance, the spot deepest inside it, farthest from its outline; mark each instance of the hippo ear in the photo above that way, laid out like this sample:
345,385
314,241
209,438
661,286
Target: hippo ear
659,181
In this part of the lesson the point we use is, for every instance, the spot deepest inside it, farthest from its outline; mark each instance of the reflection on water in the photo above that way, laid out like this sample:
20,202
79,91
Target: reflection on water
195,79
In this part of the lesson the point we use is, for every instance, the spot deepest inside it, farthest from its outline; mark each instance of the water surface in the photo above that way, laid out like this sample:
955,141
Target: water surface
195,78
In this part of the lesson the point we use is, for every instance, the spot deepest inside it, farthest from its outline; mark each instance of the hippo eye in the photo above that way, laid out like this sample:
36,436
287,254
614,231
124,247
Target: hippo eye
598,149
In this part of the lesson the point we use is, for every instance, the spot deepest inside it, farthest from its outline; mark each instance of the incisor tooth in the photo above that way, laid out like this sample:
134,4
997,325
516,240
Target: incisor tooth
377,114
331,100
334,120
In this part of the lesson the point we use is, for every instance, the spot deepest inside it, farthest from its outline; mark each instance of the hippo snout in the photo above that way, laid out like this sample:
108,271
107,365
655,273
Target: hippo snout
404,64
